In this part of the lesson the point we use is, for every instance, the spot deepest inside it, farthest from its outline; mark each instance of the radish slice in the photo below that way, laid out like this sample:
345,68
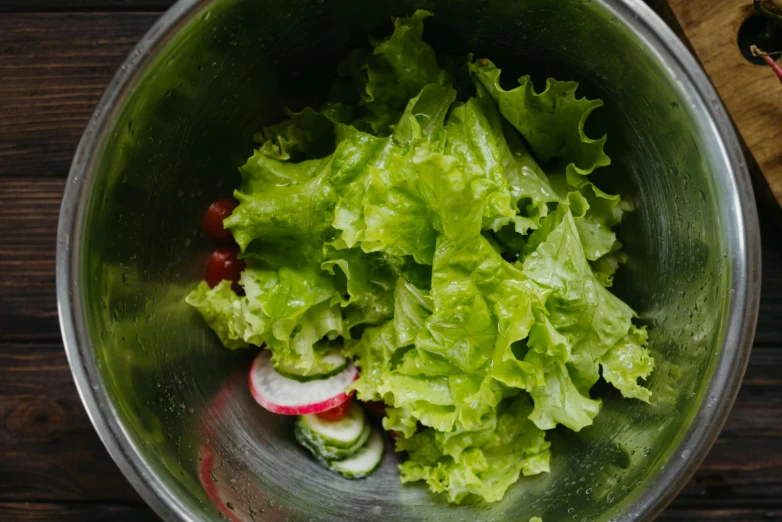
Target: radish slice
279,394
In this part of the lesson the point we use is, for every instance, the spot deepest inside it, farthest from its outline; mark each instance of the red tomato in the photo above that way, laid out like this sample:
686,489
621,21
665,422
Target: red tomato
223,264
376,408
213,220
335,414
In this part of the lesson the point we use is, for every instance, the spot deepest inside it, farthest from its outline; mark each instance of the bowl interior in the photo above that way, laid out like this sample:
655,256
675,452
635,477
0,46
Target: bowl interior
183,125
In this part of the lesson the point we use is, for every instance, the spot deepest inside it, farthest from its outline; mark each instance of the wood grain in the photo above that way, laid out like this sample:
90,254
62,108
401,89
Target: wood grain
53,71
48,448
48,512
29,209
750,92
714,515
33,6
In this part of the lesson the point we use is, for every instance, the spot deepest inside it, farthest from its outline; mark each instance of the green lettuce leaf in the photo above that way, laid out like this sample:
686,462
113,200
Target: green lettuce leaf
478,135
396,71
223,311
412,306
374,353
369,282
308,133
552,121
484,463
627,362
587,319
299,307
353,162
606,266
289,213
559,400
288,311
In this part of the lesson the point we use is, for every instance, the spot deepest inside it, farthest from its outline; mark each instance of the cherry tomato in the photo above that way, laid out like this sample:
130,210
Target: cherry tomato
335,414
376,408
213,220
223,264
394,435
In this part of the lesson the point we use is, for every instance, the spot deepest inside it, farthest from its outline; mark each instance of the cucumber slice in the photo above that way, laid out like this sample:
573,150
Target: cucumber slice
332,363
343,433
364,461
325,452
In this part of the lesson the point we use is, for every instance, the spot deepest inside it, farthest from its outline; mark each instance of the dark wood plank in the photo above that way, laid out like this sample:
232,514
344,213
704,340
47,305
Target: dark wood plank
721,515
48,448
769,329
37,6
29,209
46,512
31,512
54,68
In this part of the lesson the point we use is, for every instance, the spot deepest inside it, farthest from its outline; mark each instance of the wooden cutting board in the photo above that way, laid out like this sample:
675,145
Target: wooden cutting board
751,93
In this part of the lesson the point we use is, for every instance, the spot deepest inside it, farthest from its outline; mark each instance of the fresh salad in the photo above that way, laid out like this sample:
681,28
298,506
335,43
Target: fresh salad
426,247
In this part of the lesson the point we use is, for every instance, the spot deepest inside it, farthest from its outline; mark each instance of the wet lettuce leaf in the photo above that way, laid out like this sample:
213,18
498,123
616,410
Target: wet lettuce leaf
552,121
449,239
482,463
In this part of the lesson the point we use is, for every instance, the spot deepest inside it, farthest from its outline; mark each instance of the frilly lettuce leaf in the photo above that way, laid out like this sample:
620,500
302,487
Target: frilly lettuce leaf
307,133
288,311
627,362
596,214
483,462
579,307
552,121
300,308
223,311
297,212
606,266
369,282
412,306
395,71
375,353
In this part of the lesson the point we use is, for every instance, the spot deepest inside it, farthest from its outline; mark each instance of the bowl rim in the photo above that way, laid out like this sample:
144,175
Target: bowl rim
743,234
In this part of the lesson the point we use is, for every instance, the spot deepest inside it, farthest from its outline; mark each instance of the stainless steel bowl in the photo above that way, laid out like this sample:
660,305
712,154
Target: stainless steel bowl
165,140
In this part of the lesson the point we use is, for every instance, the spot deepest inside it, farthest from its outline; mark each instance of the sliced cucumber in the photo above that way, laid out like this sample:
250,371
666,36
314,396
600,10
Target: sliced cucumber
329,365
343,433
363,462
325,452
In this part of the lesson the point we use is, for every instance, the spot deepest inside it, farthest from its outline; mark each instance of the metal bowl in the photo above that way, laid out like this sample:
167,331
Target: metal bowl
172,406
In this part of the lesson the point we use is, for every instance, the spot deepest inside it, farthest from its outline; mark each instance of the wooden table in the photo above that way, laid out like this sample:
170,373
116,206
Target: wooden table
56,57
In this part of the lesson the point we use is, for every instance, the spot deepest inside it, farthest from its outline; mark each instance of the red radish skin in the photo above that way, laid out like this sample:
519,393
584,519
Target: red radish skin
338,413
343,380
